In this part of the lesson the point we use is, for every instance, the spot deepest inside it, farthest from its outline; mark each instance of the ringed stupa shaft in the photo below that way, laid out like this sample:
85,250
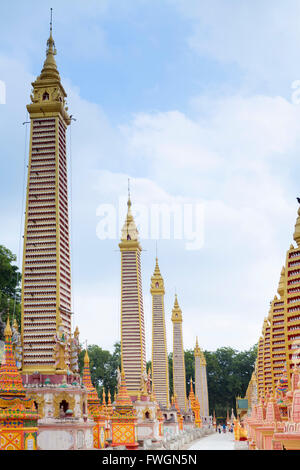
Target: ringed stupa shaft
133,353
46,273
179,378
160,366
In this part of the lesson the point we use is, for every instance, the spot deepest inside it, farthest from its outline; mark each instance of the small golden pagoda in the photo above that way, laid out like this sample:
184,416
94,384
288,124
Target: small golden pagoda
94,406
105,413
18,414
123,420
195,405
109,405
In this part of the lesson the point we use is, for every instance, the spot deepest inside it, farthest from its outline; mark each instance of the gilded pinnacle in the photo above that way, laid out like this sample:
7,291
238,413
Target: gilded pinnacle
157,282
129,231
7,331
197,350
280,289
297,229
176,312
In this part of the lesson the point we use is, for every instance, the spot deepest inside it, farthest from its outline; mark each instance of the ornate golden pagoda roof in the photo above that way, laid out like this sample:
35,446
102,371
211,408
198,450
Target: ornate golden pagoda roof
197,350
123,406
157,282
10,379
176,312
48,93
129,230
191,395
87,381
199,353
123,399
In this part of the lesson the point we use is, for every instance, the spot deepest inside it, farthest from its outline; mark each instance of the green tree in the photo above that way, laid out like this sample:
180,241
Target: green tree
10,293
228,374
103,367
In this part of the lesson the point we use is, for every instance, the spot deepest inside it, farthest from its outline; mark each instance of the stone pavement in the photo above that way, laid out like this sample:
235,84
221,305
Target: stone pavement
214,441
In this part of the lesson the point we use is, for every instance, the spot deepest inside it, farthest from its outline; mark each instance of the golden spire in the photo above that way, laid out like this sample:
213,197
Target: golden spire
203,360
50,68
197,350
265,325
129,230
123,399
87,381
10,378
15,325
48,94
176,312
280,289
7,331
157,282
297,227
86,358
191,395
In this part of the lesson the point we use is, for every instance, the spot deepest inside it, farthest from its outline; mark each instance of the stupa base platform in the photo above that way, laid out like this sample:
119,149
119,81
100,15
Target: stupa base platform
61,402
147,423
65,434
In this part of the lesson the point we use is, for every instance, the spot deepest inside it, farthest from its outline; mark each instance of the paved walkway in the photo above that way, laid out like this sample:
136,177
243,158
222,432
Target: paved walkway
216,441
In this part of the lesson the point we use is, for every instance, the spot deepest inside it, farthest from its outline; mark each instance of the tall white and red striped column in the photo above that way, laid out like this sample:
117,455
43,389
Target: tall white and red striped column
133,350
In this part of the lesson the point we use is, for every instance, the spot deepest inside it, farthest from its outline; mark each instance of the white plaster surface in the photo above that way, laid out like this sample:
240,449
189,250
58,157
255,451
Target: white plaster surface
55,440
215,441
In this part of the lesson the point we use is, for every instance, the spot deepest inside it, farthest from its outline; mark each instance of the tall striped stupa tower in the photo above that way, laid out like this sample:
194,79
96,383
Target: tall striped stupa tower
46,279
160,366
49,351
201,380
133,351
179,382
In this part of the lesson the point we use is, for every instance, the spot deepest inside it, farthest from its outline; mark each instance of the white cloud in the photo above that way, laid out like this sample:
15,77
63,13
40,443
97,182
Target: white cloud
260,37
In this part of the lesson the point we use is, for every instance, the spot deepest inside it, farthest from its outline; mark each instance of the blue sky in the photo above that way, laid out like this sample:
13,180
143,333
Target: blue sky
194,102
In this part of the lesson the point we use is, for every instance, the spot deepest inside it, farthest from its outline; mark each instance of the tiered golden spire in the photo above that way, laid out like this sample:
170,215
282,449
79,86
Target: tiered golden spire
157,282
192,395
87,381
280,289
129,230
48,93
123,399
10,378
197,350
50,68
199,353
176,312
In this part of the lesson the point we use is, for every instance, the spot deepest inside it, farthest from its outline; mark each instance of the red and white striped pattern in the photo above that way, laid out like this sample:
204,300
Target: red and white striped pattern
160,368
46,280
132,320
179,383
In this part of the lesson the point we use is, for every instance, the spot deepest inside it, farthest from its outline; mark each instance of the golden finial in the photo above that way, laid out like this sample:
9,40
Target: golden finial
7,331
280,289
129,230
176,312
